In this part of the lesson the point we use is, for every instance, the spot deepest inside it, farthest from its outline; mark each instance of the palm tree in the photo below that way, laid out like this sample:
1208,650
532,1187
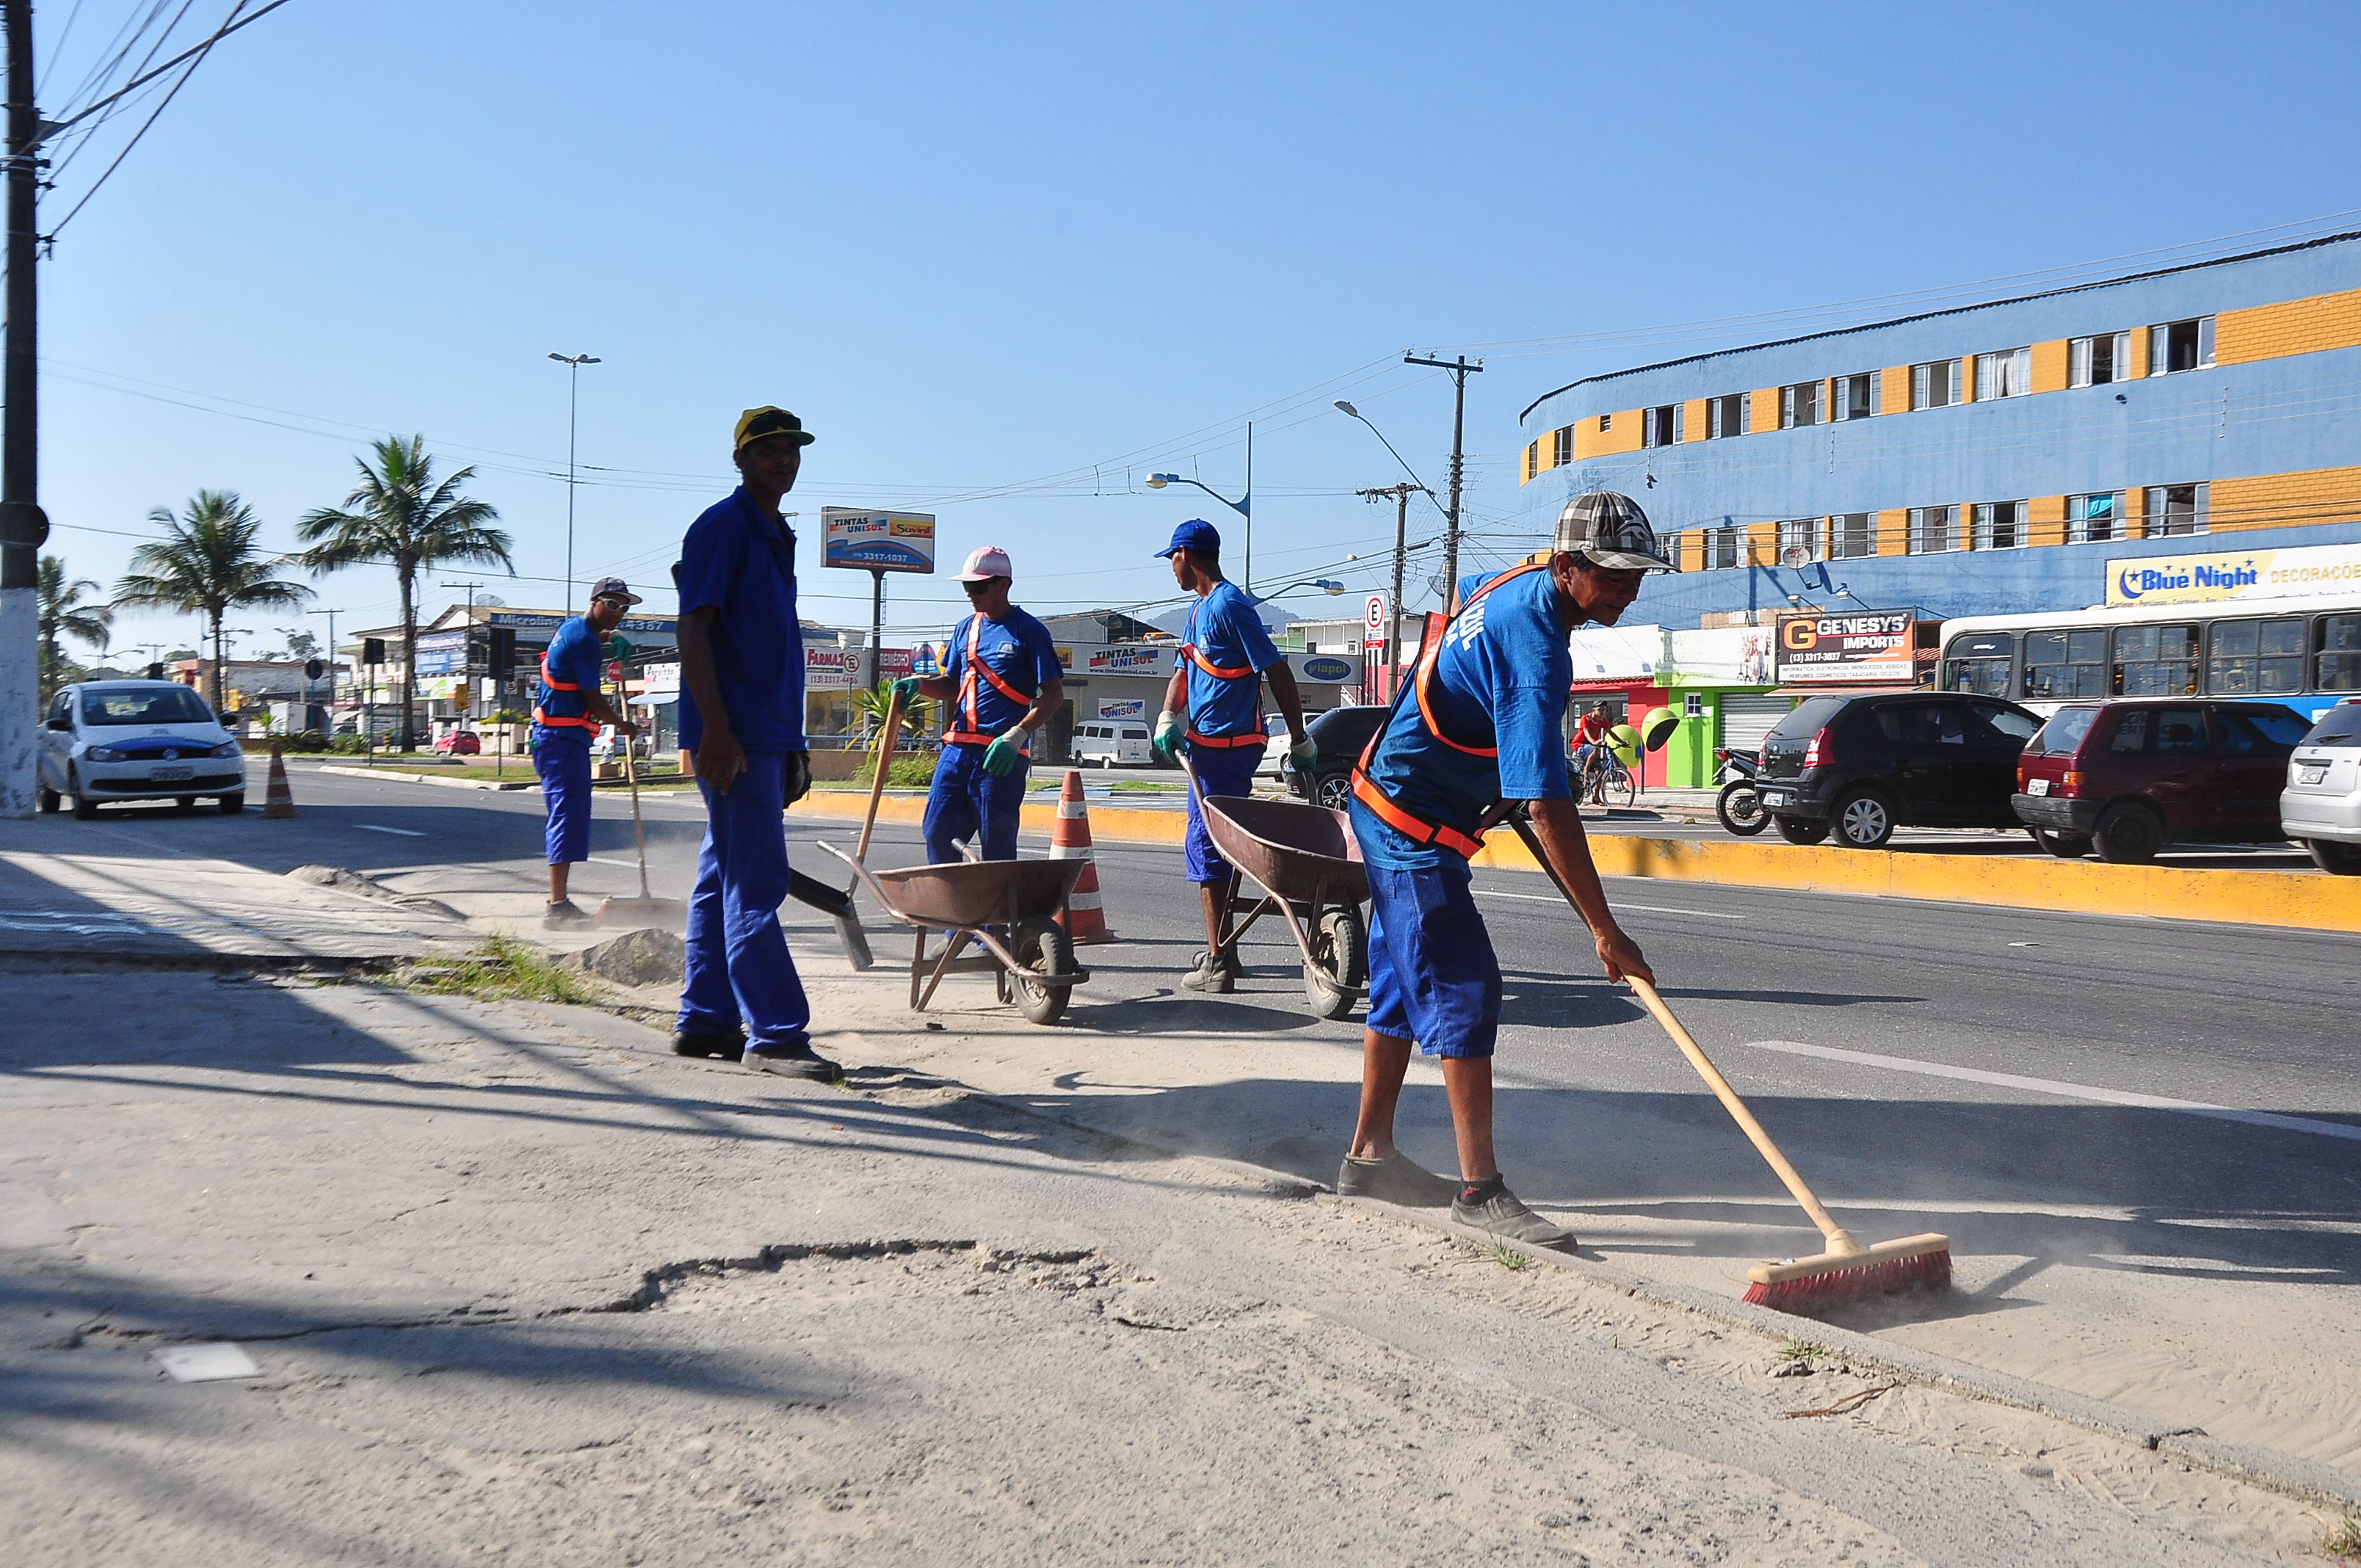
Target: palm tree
64,615
870,705
207,564
398,515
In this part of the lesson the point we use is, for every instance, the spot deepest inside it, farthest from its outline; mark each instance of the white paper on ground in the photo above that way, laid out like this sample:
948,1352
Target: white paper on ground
207,1363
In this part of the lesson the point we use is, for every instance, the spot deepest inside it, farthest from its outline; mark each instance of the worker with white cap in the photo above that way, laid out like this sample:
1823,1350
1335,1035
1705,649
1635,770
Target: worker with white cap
1003,679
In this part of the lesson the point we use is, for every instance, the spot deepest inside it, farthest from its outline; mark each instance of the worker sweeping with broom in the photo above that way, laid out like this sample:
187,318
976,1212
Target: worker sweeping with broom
565,714
1483,726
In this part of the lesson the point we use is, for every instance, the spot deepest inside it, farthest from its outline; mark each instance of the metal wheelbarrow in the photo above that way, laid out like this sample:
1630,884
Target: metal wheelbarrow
1004,906
1304,863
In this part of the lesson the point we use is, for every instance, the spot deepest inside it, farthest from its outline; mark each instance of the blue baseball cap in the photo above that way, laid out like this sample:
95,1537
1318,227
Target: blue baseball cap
1194,534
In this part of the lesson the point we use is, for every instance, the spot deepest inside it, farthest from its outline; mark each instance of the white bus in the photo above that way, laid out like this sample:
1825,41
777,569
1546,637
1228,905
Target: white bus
2305,652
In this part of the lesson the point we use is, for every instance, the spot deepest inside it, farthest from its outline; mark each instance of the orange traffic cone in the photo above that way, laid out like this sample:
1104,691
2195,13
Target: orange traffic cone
1069,839
281,800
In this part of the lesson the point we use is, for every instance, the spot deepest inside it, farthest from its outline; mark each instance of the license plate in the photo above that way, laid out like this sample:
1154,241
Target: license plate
171,775
2036,786
2310,773
1777,797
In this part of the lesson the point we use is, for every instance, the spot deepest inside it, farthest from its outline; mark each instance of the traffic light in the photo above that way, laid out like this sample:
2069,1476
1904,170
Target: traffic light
372,649
313,669
503,653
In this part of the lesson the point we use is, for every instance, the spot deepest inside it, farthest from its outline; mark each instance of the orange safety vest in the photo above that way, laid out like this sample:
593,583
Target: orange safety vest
1221,673
971,731
1410,825
558,720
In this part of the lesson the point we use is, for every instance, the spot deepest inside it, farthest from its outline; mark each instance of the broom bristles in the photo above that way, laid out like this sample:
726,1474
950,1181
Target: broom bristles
1812,1285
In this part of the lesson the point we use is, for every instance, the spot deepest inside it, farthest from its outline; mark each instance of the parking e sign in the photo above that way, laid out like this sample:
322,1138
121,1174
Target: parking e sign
1374,620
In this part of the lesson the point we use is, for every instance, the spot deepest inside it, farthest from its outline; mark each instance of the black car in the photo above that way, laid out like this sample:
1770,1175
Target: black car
1340,734
1863,765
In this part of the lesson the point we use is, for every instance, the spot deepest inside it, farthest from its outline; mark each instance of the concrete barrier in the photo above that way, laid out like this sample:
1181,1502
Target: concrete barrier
2296,899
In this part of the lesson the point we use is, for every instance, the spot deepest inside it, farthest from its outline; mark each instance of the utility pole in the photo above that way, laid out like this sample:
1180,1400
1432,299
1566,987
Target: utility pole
468,690
1461,368
23,527
1401,494
573,363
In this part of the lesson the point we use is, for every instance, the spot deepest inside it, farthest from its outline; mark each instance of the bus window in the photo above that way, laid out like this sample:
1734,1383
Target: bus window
2156,661
2061,664
2255,658
1983,662
2340,654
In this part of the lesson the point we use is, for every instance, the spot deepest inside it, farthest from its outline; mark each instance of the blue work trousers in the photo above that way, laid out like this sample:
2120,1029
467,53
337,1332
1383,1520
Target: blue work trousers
1229,770
739,970
965,802
563,760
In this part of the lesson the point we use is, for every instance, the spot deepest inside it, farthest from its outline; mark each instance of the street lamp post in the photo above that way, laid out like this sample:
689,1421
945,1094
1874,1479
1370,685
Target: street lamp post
1243,506
573,363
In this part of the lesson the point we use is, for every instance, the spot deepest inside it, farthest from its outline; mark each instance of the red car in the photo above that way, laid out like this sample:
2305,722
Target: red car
460,743
2129,777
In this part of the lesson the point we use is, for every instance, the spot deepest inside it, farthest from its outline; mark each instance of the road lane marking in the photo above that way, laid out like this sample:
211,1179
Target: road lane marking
1650,908
373,827
2066,1091
627,865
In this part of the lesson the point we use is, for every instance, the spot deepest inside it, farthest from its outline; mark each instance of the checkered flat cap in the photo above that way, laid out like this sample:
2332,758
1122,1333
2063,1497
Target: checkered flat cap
1609,528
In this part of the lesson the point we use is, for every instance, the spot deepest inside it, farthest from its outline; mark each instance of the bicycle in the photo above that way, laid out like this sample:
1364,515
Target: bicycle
1605,781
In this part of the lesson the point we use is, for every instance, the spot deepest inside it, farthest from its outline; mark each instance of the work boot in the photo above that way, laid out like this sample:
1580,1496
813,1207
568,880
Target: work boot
709,1042
1395,1179
1490,1207
1214,976
565,916
801,1062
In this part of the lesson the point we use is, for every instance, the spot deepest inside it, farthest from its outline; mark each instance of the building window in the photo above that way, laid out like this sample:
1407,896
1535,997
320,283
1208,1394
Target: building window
1692,705
2096,361
2156,661
2008,374
2090,519
1799,404
1855,397
1851,533
1660,426
2000,525
1930,529
2339,669
1606,424
1532,458
2255,658
1727,416
1723,548
1799,540
2177,508
2174,347
1564,439
1935,385
2061,664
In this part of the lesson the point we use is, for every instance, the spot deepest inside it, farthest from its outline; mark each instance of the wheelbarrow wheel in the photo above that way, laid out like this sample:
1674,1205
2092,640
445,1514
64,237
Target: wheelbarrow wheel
1042,944
1340,966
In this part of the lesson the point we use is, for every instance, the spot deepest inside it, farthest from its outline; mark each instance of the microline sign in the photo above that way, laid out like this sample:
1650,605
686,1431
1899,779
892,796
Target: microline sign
2301,572
877,541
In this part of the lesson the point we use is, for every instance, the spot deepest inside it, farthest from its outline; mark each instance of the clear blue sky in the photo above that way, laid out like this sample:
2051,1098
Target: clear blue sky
976,247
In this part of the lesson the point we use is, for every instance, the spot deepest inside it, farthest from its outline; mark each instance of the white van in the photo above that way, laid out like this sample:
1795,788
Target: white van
1111,743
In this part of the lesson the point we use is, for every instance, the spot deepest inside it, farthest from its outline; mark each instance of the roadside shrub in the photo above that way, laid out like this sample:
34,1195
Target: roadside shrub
306,740
910,773
349,746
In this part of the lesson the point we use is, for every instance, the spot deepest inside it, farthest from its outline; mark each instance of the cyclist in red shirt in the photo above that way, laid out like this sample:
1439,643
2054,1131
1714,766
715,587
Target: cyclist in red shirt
1590,735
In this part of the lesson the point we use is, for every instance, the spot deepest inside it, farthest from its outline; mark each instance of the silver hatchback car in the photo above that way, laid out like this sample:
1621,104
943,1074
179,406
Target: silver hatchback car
2321,807
105,740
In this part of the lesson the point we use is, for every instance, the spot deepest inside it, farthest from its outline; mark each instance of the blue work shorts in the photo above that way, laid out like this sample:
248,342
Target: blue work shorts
1433,977
1224,771
563,766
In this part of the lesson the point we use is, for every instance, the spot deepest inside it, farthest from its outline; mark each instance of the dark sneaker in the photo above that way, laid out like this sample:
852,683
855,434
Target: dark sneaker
565,916
1395,1179
707,1042
1502,1215
1212,975
805,1063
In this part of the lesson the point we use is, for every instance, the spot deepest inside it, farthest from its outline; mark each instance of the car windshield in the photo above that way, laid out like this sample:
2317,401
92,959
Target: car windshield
1807,717
2340,725
144,705
2064,734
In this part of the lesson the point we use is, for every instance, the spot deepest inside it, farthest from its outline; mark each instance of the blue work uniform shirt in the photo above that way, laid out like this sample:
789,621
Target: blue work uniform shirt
741,559
574,656
1226,632
1501,680
1019,650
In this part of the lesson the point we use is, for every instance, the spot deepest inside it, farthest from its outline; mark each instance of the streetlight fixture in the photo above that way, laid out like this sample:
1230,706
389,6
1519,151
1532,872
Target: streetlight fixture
1326,585
1243,506
573,363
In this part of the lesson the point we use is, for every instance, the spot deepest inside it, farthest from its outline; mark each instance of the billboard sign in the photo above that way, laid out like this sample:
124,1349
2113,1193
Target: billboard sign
838,669
1875,646
1326,667
877,541
1122,707
1142,659
2303,572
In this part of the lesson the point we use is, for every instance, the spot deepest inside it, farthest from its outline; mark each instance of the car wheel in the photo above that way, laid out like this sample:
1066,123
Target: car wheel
1800,829
2335,858
231,805
1862,819
1334,790
86,808
2128,833
48,799
1739,807
2065,846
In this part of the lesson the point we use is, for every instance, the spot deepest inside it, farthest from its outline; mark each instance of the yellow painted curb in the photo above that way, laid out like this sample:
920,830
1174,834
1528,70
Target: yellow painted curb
2075,887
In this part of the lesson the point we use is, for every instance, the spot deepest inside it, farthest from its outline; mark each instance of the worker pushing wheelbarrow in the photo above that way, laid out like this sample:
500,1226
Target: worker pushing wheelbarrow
1305,864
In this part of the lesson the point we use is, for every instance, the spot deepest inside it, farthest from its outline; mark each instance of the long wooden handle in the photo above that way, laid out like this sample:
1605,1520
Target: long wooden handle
1839,1240
631,775
884,762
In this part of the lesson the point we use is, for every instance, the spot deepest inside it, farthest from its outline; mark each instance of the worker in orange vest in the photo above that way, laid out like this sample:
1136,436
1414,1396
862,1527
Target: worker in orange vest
566,716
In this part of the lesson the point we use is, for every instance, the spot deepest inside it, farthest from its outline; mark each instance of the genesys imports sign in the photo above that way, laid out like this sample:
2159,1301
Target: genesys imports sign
2304,572
1875,646
877,541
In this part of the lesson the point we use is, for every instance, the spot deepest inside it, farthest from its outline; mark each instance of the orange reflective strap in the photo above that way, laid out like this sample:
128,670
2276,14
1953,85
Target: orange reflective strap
1227,743
552,682
1218,671
1431,656
559,720
1417,830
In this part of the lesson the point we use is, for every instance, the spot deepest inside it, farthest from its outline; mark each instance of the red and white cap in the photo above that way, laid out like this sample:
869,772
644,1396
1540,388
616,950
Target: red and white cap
985,563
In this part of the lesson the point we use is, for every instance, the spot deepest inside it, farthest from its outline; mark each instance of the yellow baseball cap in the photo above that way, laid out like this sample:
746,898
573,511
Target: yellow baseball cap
756,423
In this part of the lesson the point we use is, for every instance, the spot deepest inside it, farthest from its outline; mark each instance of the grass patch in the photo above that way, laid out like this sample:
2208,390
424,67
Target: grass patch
2343,1543
506,969
1508,1257
1801,1350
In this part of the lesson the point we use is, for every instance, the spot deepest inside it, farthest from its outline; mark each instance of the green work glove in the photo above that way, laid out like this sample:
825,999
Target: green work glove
1004,756
797,782
1302,754
1170,738
906,690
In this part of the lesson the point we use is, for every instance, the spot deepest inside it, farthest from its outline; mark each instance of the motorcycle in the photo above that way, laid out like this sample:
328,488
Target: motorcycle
1740,804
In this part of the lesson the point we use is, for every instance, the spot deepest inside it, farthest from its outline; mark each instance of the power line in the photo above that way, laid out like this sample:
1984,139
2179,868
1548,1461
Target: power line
59,227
